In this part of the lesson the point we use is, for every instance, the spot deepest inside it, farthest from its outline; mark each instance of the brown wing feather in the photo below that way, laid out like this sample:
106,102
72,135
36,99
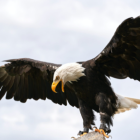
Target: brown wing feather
121,57
26,78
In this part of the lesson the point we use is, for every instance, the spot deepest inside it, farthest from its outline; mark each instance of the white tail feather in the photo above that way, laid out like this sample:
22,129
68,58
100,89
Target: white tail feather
134,100
126,103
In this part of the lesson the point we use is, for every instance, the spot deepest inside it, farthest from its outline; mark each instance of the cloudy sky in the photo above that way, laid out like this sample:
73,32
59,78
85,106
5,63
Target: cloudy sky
61,31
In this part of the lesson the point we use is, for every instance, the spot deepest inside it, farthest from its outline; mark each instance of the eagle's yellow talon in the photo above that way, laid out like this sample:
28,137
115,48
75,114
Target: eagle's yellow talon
83,134
101,131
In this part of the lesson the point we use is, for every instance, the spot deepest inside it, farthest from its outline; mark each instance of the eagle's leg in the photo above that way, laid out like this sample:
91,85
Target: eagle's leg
88,117
106,112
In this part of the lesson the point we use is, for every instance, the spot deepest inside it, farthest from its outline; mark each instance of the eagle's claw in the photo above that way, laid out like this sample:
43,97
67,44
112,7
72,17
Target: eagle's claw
81,133
101,131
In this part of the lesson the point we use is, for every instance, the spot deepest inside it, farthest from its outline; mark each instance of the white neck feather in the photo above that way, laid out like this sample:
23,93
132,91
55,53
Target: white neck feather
69,72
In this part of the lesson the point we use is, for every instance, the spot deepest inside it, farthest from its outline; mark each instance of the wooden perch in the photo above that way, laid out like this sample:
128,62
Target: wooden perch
91,136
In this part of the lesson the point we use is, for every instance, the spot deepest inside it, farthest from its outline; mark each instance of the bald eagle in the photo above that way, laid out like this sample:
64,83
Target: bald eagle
84,85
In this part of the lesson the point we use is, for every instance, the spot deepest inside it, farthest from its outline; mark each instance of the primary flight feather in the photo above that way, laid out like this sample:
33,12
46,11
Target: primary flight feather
83,84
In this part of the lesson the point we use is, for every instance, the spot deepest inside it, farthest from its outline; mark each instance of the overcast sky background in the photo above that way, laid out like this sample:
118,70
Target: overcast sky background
61,31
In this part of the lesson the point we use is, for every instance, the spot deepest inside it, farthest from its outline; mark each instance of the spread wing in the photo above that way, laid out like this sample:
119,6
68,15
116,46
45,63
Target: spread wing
121,57
25,78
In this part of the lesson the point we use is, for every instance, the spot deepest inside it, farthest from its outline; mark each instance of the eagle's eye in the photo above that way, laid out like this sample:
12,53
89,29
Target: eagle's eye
57,78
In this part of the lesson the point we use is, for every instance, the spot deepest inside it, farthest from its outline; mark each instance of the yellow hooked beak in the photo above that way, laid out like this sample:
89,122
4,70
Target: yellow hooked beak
55,83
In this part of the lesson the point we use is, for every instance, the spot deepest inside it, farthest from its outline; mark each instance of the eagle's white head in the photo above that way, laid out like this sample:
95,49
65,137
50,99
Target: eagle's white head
67,72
